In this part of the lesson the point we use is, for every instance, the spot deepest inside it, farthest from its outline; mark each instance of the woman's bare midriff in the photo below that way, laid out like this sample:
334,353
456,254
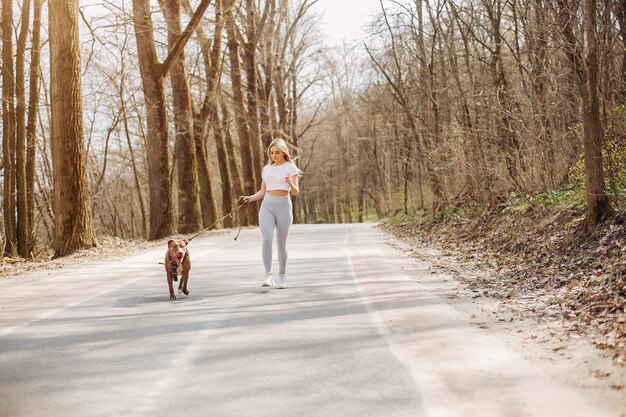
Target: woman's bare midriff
279,192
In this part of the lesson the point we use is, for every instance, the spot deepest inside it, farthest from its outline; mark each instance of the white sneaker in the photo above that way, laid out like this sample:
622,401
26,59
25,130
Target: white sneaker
269,281
282,281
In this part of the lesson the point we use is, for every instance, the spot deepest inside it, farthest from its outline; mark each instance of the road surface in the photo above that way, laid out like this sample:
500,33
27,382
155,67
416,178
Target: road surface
363,330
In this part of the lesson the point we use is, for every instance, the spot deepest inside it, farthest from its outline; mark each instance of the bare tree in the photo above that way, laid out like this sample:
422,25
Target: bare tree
161,214
599,205
224,168
211,54
254,26
243,127
73,223
152,75
233,166
620,14
31,137
8,129
189,215
23,226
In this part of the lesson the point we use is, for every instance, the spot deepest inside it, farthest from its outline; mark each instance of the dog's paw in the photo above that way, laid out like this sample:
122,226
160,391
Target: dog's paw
180,291
172,297
186,292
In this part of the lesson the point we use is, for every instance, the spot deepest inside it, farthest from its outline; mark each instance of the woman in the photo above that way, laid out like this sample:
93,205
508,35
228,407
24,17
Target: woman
280,179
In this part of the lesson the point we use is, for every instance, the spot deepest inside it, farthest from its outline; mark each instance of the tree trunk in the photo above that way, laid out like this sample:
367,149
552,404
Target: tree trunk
540,81
202,126
189,213
292,103
280,77
8,129
483,178
280,98
265,89
23,227
435,116
243,128
598,202
31,137
208,201
620,14
140,199
233,166
160,185
505,130
121,87
152,73
227,191
73,223
566,18
250,66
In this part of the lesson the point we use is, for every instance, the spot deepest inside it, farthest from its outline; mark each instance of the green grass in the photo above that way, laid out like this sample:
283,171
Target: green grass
570,198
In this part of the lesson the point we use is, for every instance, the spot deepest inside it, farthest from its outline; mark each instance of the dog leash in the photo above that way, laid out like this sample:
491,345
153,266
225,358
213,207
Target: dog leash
236,209
241,204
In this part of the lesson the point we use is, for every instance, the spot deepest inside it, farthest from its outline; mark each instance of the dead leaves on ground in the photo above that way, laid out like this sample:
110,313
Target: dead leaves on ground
542,265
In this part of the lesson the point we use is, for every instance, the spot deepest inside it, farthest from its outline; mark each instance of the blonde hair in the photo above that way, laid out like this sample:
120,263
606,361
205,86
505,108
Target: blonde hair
282,145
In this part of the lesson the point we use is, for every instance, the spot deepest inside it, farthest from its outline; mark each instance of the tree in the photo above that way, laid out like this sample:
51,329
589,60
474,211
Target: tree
620,14
505,131
208,120
8,129
160,186
253,29
152,75
189,216
598,202
211,55
23,226
73,223
243,126
31,137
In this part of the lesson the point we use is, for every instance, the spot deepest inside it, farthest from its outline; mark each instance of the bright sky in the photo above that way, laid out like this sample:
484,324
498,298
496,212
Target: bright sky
343,20
346,19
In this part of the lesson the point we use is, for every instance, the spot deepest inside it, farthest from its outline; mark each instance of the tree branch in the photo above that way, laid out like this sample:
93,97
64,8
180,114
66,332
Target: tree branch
184,37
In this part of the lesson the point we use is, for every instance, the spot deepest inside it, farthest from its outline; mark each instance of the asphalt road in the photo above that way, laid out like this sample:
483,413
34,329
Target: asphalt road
363,330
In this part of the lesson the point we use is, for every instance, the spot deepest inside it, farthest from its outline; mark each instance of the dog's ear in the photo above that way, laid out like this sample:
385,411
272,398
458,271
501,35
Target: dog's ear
186,241
169,242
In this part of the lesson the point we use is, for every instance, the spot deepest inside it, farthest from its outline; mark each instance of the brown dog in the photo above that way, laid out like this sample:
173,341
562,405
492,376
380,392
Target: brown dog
177,263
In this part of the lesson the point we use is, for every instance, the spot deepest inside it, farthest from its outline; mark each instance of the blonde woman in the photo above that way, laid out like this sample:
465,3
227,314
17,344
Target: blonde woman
280,179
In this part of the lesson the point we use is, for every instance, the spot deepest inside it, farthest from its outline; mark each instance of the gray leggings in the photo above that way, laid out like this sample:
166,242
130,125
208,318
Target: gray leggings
276,213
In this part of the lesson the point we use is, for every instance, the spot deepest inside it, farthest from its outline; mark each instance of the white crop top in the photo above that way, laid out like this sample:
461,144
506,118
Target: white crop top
274,175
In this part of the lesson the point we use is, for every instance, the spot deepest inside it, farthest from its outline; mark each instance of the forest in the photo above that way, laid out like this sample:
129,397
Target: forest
141,119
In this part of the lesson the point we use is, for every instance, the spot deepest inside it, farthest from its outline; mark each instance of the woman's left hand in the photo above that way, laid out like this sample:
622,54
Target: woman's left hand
289,181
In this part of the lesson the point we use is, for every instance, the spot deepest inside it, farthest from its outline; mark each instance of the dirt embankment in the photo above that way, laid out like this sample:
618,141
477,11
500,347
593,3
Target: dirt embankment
541,265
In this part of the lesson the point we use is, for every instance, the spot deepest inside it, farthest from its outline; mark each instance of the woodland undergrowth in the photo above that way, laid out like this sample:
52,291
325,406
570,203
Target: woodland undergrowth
537,257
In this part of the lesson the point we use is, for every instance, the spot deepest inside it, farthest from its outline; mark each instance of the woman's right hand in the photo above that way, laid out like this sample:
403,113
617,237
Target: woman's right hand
244,199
